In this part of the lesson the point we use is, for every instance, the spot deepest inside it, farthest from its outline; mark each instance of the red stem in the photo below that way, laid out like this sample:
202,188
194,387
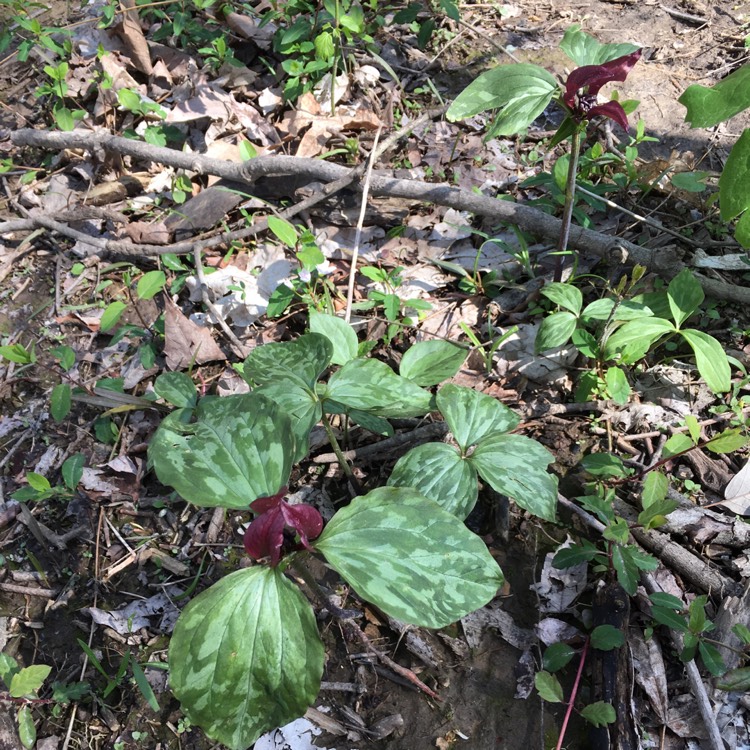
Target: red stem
573,694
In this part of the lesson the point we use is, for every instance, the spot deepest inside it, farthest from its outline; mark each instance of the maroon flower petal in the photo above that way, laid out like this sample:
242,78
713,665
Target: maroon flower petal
593,77
265,535
263,504
613,110
304,519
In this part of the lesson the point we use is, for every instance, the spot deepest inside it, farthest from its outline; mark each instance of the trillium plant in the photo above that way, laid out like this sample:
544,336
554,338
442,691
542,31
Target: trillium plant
246,655
520,92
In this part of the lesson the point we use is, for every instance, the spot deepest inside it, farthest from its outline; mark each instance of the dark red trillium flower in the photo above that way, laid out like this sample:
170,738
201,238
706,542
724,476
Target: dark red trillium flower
265,534
583,85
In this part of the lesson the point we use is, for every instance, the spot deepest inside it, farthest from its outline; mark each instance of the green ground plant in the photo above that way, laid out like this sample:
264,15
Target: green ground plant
615,331
403,547
707,107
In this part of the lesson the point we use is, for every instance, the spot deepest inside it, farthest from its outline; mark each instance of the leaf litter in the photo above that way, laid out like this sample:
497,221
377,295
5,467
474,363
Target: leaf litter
221,112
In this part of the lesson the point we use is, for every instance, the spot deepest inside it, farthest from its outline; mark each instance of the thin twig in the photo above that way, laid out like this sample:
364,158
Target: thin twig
360,224
239,348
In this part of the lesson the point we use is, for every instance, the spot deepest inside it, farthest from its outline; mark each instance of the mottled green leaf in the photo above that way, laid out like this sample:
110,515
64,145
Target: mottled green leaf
472,415
410,557
302,407
710,359
516,466
431,362
27,681
301,361
520,91
177,388
549,687
370,385
245,656
26,727
238,449
341,335
438,472
685,295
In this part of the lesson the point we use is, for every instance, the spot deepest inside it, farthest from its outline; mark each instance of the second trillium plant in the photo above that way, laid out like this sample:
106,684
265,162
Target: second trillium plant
520,92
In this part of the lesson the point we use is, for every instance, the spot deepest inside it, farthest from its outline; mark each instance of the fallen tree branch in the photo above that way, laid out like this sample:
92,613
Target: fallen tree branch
666,261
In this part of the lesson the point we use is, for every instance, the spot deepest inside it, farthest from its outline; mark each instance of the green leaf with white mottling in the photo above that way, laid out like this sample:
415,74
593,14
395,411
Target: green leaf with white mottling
341,335
438,472
410,557
378,425
26,727
431,362
177,388
238,449
302,407
710,359
472,415
370,385
301,361
245,656
515,465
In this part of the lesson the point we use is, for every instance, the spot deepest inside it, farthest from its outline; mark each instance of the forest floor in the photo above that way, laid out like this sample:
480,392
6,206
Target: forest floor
86,563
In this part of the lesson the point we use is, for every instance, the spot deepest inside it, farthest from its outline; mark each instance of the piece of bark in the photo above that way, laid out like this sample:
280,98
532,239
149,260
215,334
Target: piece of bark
612,673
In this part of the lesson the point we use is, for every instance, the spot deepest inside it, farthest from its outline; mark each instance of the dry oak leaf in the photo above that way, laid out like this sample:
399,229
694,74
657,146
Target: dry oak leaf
185,342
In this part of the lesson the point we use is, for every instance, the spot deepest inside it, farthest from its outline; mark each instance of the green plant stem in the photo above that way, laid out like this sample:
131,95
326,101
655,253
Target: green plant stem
340,456
570,191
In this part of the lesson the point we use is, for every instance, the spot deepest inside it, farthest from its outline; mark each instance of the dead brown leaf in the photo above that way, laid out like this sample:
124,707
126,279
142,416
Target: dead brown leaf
185,342
133,38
